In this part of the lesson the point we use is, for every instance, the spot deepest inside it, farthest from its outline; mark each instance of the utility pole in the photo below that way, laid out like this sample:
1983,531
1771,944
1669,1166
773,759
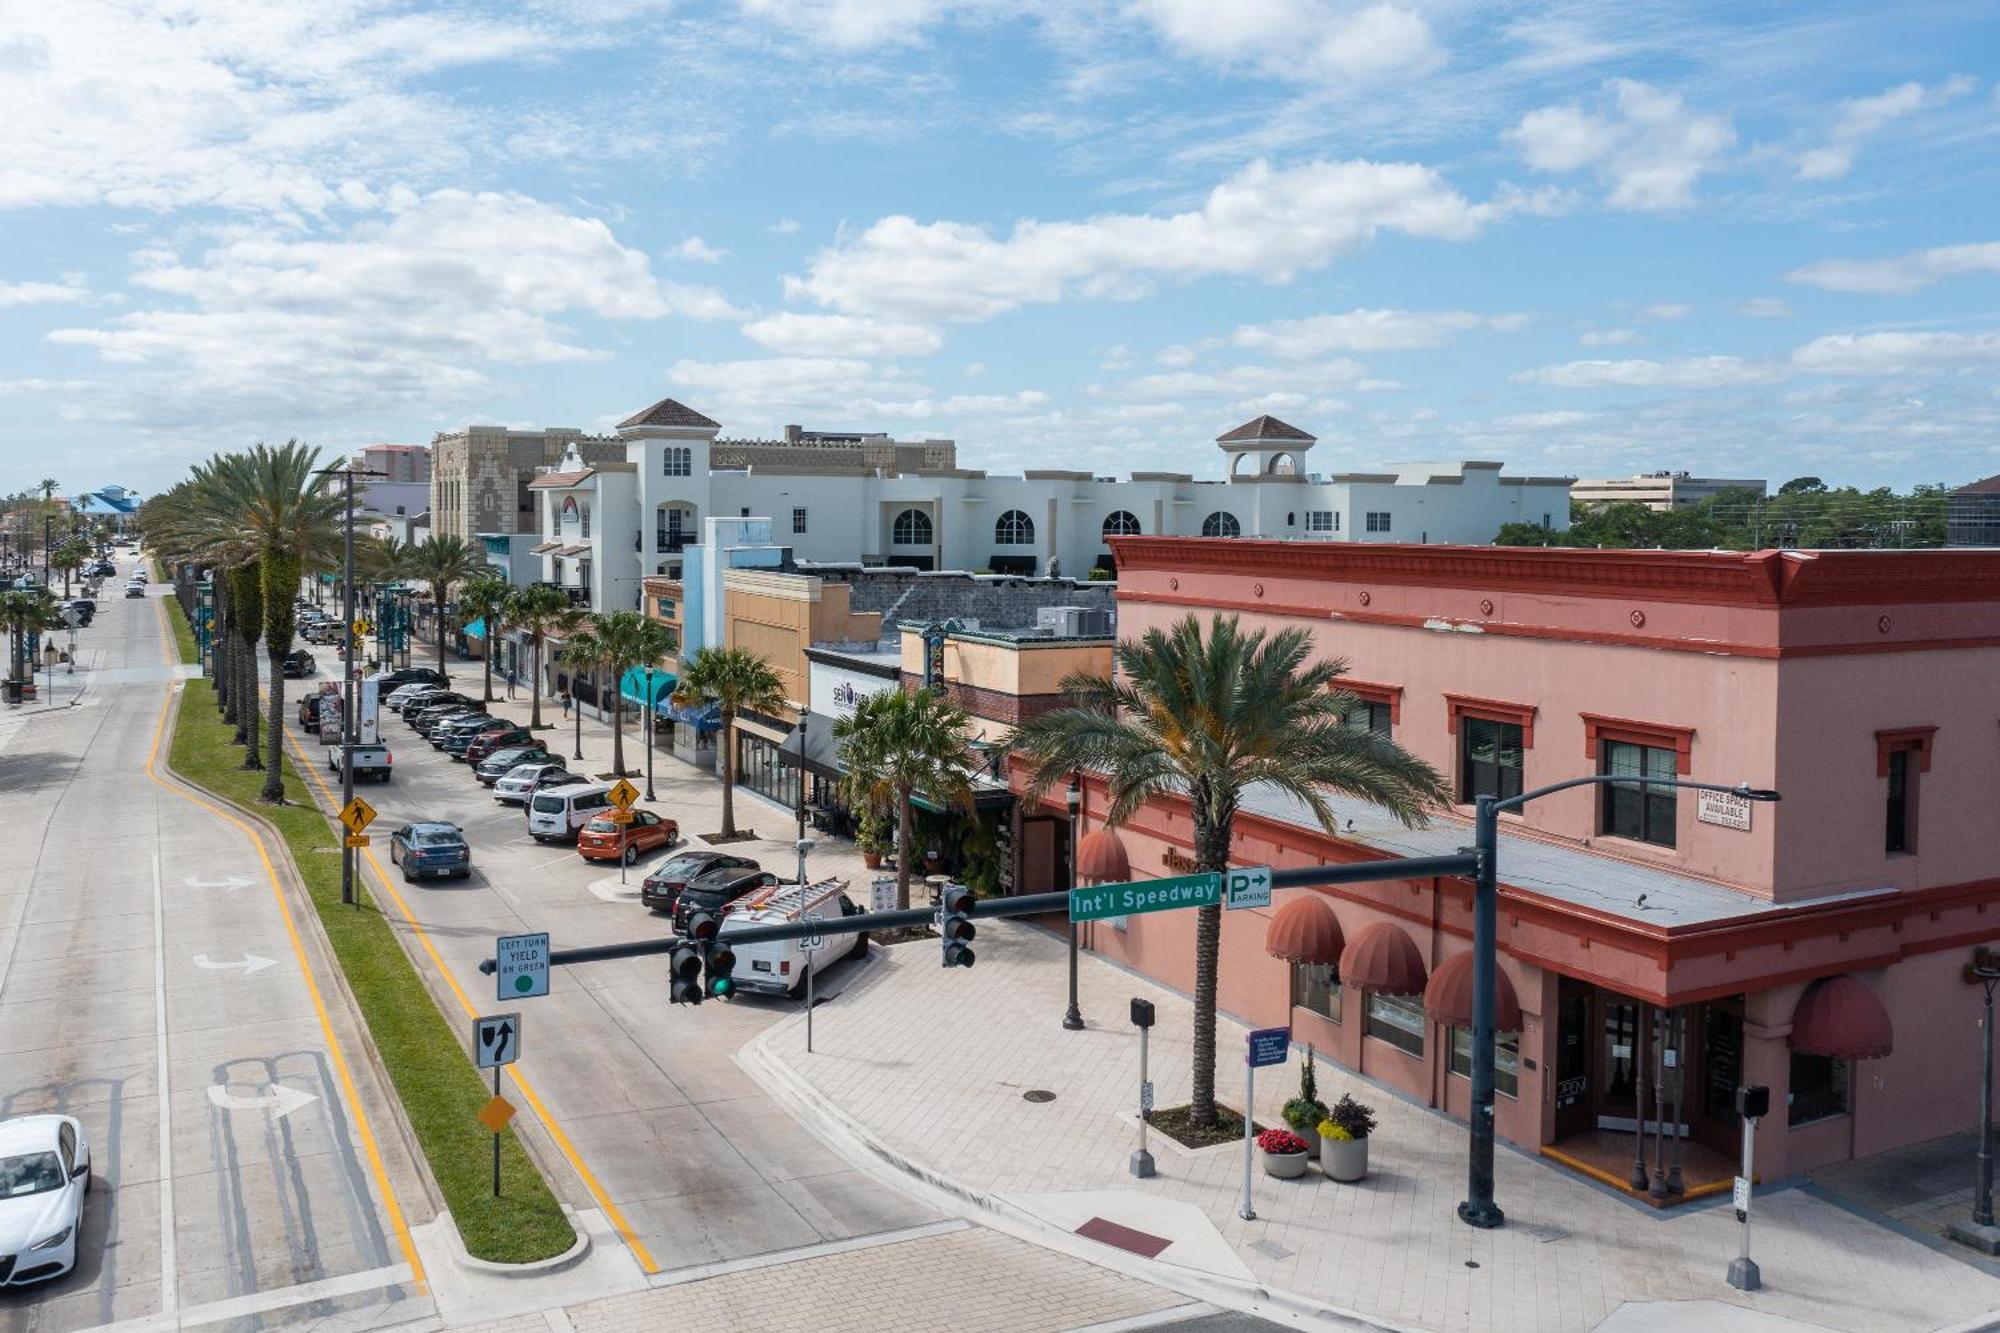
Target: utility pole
350,730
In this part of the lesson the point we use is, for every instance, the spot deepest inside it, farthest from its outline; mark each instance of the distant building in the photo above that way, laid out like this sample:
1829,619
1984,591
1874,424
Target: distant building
1972,514
480,475
849,452
113,504
398,462
1660,490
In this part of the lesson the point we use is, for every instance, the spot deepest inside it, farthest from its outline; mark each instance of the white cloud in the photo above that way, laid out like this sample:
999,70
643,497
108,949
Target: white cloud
399,308
1297,40
1265,222
1906,353
699,251
841,335
1766,307
850,24
1859,117
1667,311
71,290
1178,356
1239,382
783,227
1366,331
1648,148
1694,372
1609,337
1900,274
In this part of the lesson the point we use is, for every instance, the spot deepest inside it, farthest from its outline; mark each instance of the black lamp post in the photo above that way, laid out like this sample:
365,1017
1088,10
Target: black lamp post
1479,1209
576,709
652,707
1980,1233
802,778
1073,1018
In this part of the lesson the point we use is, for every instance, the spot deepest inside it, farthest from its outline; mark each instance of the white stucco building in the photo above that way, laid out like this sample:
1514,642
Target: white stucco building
606,525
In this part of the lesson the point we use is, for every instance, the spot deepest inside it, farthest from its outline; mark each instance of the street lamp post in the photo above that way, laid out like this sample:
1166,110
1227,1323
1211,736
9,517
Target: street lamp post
1980,1233
650,720
1479,1209
802,779
1073,1017
350,725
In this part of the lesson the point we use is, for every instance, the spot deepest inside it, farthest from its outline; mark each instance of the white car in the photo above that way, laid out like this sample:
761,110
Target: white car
44,1174
524,780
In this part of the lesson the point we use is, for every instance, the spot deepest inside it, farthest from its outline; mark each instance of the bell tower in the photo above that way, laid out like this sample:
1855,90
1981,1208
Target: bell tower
1266,449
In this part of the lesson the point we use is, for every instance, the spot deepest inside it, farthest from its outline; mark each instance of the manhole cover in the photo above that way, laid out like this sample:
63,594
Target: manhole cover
1038,1095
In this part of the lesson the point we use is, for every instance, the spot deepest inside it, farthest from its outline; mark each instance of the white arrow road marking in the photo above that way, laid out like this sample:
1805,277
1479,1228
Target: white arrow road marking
250,964
276,1098
229,882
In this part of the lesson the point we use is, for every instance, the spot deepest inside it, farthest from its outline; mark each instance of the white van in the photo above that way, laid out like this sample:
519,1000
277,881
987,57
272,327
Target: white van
778,967
558,812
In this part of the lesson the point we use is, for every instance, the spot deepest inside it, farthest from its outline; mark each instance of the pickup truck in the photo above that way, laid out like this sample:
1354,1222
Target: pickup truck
370,761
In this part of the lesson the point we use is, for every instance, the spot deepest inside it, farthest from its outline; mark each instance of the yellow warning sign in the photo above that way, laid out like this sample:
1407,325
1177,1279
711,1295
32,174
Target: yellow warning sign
620,816
356,840
622,794
496,1113
357,814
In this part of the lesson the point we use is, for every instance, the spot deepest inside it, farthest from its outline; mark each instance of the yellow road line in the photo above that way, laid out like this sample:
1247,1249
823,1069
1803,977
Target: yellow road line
397,1222
535,1104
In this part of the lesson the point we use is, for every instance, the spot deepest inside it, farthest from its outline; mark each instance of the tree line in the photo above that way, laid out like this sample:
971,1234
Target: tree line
1805,513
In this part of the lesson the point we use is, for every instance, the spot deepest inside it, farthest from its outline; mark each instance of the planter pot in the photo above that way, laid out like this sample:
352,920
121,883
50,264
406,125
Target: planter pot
873,860
1344,1159
1284,1165
1310,1133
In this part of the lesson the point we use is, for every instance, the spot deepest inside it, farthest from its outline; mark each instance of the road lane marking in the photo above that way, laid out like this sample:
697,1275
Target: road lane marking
169,1259
349,1092
228,883
264,1302
249,964
276,1098
521,1083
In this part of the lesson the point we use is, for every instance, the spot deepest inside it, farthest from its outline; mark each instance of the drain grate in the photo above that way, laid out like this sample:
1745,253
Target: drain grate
1038,1095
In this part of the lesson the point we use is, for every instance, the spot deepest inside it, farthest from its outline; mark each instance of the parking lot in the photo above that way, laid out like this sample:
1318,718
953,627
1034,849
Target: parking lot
637,1106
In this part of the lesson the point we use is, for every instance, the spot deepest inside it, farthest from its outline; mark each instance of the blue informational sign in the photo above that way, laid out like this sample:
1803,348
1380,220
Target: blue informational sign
1269,1046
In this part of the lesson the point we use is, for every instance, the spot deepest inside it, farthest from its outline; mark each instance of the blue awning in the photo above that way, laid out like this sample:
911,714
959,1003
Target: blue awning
476,630
633,684
702,717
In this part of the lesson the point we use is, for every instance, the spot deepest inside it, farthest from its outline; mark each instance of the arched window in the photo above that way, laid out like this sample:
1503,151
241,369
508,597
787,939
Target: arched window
1014,529
912,528
1121,524
1221,524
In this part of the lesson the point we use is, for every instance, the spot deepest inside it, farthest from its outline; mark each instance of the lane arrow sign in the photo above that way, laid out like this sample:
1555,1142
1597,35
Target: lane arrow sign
250,964
276,1098
230,882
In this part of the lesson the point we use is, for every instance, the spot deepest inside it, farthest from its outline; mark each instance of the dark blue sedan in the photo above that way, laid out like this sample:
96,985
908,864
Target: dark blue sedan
430,849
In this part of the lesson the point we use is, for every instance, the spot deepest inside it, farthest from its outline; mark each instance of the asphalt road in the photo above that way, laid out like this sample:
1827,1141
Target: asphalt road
152,984
688,1158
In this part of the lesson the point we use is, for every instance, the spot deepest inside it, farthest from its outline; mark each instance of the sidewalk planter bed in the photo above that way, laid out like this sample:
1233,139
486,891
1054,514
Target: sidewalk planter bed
1343,1140
1284,1153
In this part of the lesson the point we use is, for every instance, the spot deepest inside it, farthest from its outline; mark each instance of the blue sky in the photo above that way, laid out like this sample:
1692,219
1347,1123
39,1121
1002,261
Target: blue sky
1585,238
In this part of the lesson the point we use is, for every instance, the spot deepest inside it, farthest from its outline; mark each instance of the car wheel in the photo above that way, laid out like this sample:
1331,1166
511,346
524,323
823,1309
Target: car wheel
798,990
860,949
408,878
631,855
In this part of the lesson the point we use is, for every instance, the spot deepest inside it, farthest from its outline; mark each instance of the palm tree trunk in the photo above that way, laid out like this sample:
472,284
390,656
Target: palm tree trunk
274,749
440,614
535,690
1211,847
906,837
253,756
618,732
488,657
728,773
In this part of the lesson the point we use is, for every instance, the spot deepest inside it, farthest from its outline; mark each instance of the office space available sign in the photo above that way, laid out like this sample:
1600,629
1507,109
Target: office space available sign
1723,808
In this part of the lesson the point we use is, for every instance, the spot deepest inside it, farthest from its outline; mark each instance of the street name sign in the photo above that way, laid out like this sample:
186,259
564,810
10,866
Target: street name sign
1247,886
357,814
622,794
496,1040
522,965
1268,1046
1148,895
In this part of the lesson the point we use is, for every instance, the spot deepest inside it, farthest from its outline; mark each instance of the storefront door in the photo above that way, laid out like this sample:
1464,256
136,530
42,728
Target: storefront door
1576,1109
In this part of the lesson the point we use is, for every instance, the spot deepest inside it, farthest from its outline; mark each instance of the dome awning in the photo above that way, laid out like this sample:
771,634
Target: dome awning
1448,998
1101,858
1383,960
1841,1019
1305,930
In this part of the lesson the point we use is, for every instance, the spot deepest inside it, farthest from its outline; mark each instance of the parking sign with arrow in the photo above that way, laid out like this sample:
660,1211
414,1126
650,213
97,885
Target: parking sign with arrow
496,1040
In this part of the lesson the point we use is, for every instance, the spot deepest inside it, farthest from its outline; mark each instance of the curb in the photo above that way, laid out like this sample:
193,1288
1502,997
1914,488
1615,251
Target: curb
569,1258
854,1141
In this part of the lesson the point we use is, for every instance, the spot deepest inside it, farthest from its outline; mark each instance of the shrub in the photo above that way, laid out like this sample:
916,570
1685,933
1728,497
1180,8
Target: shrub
1347,1114
1280,1141
1336,1133
1306,1108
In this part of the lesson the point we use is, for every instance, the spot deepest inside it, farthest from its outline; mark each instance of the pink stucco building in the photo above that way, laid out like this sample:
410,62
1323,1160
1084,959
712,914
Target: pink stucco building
1659,949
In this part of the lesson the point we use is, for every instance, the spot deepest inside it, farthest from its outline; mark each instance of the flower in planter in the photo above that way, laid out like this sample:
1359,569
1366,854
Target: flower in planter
1306,1109
1337,1133
1280,1141
1352,1119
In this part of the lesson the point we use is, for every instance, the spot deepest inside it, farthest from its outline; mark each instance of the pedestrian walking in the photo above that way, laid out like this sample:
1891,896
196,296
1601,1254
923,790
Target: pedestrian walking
564,696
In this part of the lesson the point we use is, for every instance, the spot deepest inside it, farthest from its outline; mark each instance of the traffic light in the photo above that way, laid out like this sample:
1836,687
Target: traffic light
721,965
684,974
955,926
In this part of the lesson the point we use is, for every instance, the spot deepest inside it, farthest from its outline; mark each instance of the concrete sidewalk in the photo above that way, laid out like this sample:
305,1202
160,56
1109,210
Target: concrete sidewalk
924,1071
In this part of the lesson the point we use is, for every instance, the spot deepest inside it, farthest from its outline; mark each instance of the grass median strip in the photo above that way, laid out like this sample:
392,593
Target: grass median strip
440,1090
184,639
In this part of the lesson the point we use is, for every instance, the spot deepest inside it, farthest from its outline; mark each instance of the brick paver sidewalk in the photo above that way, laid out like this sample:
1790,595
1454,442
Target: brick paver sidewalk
930,1066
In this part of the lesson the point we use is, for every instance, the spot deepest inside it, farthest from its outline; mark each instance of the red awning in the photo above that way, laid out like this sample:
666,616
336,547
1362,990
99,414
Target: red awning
1305,930
1101,858
1448,998
1383,960
1840,1018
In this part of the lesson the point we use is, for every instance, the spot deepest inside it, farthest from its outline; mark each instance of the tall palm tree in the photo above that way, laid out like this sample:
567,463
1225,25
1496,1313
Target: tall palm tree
626,639
291,522
540,611
584,653
897,746
736,679
485,598
69,558
25,611
443,561
1208,711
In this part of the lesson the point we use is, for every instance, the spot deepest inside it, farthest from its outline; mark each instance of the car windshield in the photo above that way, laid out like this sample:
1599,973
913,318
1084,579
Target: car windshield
603,824
433,837
678,867
30,1173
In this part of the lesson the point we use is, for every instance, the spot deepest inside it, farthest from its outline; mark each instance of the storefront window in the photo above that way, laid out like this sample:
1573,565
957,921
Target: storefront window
1316,986
761,767
1398,1020
1506,1059
1819,1088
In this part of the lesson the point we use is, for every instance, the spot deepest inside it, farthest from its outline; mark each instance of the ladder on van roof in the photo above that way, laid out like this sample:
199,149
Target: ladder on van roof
791,901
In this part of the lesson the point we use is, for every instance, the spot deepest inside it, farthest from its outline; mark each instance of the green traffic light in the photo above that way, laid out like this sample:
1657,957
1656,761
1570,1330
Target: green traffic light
722,988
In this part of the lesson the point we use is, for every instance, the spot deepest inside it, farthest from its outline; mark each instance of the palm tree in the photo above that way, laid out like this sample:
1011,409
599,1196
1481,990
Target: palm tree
1208,712
583,653
291,522
69,558
25,611
897,746
625,639
485,598
736,679
443,562
541,611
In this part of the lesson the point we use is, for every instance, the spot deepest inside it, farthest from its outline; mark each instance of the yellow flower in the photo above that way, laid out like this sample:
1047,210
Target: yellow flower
1338,1133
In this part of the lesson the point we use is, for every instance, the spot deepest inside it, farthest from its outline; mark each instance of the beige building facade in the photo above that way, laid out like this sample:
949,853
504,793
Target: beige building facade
480,475
1660,490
